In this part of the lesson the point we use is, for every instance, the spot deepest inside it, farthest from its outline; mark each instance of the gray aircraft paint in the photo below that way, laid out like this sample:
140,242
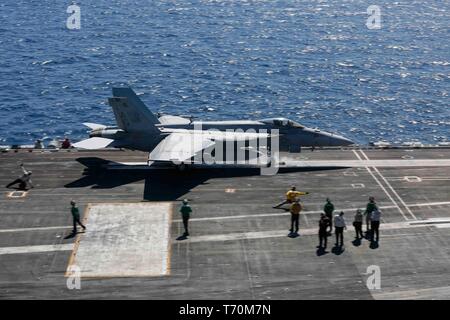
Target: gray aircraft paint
139,129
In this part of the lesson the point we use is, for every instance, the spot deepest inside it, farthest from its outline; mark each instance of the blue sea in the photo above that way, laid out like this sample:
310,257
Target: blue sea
315,62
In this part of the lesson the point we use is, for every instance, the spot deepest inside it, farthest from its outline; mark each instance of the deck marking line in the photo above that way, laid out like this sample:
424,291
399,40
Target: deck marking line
77,241
382,187
306,212
36,249
34,229
284,233
433,222
390,187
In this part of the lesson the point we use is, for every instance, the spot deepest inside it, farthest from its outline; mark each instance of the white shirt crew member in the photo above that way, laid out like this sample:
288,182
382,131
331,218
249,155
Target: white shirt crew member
339,221
376,215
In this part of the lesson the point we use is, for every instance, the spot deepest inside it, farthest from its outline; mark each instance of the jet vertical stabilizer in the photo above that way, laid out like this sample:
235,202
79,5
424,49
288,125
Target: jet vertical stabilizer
131,113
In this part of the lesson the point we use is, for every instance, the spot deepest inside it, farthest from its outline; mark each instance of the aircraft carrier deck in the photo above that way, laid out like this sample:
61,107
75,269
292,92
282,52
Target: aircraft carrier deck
238,248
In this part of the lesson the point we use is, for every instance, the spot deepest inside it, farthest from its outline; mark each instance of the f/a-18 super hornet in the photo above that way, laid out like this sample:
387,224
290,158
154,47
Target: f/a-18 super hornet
180,140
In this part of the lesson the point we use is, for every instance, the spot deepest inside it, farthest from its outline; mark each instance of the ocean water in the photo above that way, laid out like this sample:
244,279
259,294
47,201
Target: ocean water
315,62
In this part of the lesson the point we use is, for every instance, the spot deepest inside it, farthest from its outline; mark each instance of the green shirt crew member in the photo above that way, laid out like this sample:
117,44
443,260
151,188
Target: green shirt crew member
186,214
75,212
76,217
371,206
328,208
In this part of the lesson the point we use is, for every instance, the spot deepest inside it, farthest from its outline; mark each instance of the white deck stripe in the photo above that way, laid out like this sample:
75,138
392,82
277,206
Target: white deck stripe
269,215
35,229
414,294
382,187
425,204
284,233
428,204
386,163
36,249
390,187
422,178
233,236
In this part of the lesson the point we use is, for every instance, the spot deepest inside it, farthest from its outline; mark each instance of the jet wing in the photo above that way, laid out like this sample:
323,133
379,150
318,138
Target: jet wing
215,135
180,146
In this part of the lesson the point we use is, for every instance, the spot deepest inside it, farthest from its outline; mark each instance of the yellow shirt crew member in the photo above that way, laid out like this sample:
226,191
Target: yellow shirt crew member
292,195
296,207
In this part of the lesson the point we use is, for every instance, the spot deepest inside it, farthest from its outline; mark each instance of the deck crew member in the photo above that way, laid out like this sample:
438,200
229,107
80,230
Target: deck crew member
324,223
23,180
296,207
291,196
76,217
357,223
371,205
328,208
375,224
38,144
339,226
185,214
66,144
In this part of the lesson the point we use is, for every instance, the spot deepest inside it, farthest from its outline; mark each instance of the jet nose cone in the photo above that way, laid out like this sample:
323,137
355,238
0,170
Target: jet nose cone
342,141
338,141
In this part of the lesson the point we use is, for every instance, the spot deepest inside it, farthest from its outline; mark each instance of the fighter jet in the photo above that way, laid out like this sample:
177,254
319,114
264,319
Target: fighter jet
177,139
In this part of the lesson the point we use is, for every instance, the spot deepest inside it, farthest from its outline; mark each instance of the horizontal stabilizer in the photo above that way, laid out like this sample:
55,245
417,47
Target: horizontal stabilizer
94,126
166,120
94,143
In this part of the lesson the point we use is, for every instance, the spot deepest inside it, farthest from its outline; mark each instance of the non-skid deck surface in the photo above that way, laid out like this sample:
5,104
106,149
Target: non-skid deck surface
238,248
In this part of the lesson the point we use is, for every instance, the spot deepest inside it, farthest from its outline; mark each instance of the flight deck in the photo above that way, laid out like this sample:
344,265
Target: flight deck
238,246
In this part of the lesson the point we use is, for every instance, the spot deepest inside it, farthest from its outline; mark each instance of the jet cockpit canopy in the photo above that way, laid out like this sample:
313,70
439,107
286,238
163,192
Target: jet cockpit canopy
282,122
